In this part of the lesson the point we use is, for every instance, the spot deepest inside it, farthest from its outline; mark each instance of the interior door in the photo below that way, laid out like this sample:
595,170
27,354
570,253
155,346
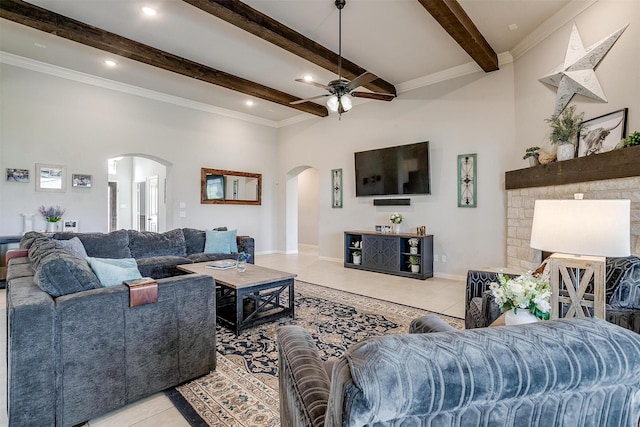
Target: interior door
152,203
140,223
112,205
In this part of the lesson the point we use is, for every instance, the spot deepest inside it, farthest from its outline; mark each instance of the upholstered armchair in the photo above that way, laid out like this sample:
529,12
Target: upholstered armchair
506,375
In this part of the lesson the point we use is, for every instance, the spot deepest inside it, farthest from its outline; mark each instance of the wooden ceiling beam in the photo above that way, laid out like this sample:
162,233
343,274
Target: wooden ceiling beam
452,17
59,25
245,17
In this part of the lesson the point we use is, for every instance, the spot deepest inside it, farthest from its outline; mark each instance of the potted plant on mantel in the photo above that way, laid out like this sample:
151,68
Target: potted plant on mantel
564,129
532,154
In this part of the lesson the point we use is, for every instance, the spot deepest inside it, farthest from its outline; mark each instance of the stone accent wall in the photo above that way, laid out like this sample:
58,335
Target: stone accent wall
520,204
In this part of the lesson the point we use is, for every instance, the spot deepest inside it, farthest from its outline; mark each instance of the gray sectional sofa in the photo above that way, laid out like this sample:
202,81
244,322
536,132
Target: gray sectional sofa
76,350
572,372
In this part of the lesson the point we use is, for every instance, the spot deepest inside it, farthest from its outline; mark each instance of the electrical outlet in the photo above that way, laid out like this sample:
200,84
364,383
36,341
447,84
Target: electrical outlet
435,258
183,214
444,258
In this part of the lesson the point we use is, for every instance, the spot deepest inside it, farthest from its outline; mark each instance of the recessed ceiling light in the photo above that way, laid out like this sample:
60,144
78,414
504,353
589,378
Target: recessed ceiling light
308,78
513,27
249,103
149,11
110,63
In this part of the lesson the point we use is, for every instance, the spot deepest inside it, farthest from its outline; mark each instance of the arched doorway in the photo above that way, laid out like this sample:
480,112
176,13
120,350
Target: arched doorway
302,208
137,193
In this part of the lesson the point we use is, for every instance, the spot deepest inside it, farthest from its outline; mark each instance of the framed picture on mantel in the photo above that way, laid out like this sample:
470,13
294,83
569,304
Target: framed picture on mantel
603,133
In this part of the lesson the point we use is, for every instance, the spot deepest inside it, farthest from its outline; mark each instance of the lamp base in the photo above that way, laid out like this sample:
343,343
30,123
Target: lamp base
570,278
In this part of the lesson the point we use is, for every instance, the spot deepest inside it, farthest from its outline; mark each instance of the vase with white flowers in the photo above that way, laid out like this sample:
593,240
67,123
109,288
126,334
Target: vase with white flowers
396,220
525,298
52,216
413,245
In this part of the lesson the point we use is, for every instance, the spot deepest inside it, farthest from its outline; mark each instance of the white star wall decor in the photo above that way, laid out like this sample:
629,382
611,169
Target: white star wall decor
576,74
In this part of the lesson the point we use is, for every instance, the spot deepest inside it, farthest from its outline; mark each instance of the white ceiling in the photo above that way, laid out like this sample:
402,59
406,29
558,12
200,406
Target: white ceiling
396,39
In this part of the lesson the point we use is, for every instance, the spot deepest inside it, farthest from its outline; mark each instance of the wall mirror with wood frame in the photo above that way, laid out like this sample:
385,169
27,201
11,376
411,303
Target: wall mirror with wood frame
230,187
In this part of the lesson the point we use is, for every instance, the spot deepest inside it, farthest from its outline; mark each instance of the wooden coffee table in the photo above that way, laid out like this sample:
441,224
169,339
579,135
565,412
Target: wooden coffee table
250,298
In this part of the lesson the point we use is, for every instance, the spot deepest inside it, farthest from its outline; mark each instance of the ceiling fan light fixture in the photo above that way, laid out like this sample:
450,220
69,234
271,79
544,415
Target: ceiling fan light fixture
333,103
347,102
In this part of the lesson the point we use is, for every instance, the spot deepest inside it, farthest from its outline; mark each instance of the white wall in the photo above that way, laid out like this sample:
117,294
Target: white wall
308,213
473,114
618,73
46,119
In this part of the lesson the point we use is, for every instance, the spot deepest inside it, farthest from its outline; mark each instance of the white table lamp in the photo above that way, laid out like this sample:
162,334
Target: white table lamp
581,233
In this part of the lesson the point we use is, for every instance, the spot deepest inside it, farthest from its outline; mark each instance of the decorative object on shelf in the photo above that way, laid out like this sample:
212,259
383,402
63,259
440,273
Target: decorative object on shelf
632,140
528,291
467,180
564,129
52,216
356,257
413,245
576,74
82,181
241,261
18,175
379,228
532,154
545,158
336,187
414,264
51,178
396,220
603,133
70,225
421,231
27,222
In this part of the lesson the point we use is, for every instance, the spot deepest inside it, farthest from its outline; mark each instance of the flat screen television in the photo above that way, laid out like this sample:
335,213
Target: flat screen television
397,170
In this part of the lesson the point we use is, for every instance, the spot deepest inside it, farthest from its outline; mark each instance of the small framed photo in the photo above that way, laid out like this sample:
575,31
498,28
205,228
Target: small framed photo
70,225
82,181
387,229
51,178
379,228
17,175
603,133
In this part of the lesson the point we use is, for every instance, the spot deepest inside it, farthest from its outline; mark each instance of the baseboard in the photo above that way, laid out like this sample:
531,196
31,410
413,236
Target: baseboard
450,276
307,246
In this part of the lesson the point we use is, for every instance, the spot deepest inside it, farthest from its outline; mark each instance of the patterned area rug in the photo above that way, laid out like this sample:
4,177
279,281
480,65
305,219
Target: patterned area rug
243,391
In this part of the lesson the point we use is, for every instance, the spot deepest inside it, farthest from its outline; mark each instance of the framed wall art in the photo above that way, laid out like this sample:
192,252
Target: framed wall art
467,180
17,175
82,181
336,188
51,178
603,133
70,225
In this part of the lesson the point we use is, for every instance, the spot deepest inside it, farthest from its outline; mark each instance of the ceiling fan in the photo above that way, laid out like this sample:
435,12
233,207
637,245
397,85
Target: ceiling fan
341,91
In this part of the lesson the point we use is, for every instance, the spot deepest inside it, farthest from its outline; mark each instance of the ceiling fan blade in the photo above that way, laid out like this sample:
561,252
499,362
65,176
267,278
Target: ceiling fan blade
300,101
372,95
362,79
320,85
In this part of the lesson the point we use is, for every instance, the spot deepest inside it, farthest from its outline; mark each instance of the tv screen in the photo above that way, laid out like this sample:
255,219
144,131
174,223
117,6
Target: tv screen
393,171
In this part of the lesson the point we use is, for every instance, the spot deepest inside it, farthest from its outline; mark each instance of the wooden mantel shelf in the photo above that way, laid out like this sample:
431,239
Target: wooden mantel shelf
623,163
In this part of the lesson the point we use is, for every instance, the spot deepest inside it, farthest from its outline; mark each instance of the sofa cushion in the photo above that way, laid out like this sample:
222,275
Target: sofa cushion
159,267
101,245
144,244
61,273
74,246
221,242
112,272
194,240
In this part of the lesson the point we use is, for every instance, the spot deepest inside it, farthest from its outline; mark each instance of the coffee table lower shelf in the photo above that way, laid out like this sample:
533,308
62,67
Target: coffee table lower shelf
244,308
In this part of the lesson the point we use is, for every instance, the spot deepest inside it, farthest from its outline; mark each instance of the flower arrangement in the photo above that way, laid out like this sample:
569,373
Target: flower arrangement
52,214
243,256
565,126
395,218
413,242
527,291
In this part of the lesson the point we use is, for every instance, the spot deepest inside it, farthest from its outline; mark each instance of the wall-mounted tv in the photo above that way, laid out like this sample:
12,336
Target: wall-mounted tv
393,170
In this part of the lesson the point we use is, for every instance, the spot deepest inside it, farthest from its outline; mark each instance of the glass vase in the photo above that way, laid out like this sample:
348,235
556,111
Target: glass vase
241,265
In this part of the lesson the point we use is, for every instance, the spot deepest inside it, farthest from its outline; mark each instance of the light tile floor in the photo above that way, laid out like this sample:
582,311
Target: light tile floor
440,295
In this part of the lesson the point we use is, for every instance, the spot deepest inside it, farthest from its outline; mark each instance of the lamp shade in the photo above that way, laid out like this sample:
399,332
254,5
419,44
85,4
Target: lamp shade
582,227
332,103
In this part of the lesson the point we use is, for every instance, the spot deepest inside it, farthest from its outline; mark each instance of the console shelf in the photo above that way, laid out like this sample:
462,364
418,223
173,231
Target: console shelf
388,253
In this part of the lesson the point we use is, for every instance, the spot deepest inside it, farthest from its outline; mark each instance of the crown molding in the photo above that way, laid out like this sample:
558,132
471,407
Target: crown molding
551,25
65,73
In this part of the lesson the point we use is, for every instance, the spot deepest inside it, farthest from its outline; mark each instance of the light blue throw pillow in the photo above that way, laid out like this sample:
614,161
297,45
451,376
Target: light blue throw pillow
220,242
74,246
114,271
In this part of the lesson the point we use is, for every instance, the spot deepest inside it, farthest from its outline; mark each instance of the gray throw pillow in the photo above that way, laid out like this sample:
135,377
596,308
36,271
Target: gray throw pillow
61,273
74,246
